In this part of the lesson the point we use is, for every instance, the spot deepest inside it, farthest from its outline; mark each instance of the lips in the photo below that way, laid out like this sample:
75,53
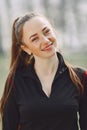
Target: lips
47,47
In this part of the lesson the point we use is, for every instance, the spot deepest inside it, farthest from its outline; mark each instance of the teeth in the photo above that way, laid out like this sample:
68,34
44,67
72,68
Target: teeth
50,44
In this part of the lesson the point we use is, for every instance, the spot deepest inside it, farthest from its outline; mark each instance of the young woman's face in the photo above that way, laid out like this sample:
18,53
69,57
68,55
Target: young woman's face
39,38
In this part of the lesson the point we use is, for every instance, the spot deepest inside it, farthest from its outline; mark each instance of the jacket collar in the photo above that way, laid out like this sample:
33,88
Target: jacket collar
30,72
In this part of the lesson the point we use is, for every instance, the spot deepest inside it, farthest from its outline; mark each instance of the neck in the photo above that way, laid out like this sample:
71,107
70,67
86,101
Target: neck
46,66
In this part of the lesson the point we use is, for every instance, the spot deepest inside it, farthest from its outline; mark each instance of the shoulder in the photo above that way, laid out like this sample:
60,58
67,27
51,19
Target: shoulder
80,72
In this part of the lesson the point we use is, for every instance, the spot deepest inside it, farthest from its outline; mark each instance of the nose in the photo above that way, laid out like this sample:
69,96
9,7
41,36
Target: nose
45,39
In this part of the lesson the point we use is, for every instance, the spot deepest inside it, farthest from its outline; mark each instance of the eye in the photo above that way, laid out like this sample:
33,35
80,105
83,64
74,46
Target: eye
34,39
47,31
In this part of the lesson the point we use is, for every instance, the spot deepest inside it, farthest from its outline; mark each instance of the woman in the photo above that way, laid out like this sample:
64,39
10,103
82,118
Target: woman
42,91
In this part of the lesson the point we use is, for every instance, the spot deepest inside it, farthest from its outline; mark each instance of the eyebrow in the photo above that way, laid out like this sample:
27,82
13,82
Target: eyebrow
36,33
44,28
32,36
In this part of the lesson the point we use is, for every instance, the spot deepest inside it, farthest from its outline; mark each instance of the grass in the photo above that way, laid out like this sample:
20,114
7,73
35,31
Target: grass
78,59
4,67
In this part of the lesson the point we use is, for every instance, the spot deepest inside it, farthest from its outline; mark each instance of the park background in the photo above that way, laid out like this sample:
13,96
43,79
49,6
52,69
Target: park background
69,17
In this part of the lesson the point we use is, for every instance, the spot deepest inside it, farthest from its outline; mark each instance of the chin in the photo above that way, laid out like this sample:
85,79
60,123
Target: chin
51,54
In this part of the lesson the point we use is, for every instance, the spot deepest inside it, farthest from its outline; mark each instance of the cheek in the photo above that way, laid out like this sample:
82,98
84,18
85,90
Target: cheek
34,49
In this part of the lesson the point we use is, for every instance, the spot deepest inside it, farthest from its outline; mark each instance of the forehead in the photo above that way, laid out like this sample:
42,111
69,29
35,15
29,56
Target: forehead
35,24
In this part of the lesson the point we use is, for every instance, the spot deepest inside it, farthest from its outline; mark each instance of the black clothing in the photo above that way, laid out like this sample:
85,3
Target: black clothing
29,106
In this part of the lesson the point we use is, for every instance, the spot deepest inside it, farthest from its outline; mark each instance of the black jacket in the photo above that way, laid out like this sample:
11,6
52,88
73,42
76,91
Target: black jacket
29,108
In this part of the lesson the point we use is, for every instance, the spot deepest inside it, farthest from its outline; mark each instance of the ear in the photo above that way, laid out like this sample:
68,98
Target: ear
26,49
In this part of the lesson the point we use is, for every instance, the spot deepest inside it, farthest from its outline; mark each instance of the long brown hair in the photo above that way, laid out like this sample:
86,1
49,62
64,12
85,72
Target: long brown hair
75,79
20,58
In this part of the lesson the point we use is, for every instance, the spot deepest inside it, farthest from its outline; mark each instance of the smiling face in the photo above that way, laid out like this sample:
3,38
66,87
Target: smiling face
39,38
